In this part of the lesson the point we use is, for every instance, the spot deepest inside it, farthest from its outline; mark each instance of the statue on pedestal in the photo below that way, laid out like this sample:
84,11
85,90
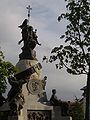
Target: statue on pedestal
54,101
29,70
29,38
28,35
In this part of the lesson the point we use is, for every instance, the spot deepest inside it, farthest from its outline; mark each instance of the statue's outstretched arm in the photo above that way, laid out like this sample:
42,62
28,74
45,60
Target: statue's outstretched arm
20,42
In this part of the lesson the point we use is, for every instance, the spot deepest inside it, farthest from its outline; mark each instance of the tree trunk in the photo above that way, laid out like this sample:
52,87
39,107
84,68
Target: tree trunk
87,113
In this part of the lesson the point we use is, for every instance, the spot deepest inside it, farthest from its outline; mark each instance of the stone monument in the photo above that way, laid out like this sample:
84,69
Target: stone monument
27,95
27,98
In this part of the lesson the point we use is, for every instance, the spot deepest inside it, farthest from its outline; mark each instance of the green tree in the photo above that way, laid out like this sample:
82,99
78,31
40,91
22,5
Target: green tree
6,69
77,110
74,55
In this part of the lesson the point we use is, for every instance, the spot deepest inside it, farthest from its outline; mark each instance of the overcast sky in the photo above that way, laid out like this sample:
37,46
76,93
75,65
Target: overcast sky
43,18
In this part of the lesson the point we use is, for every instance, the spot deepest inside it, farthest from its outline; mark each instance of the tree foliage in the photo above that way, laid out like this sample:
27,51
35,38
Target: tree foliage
77,111
74,55
6,69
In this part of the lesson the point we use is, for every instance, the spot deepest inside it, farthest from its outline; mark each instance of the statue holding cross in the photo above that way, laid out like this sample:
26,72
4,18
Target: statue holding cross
29,36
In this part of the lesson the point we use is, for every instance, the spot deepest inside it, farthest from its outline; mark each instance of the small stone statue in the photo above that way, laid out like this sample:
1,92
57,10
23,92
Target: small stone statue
29,38
28,35
16,86
15,96
54,100
44,82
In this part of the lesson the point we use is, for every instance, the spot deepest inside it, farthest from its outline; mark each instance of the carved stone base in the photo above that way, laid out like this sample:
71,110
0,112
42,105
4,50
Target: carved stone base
39,114
28,68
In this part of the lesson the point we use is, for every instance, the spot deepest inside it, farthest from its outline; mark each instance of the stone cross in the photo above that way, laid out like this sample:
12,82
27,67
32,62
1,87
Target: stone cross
29,9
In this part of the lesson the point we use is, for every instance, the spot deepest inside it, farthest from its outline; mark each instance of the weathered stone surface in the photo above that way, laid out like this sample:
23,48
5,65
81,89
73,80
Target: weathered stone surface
35,86
39,114
23,65
31,103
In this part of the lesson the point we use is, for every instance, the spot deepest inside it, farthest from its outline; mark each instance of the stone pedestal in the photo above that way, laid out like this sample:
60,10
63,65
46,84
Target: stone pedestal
36,106
33,106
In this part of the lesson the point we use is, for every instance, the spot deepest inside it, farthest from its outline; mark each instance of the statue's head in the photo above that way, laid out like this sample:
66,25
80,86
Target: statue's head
54,91
25,22
30,28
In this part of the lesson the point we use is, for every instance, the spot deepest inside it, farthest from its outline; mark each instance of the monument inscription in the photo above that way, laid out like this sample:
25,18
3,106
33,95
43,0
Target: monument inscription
39,114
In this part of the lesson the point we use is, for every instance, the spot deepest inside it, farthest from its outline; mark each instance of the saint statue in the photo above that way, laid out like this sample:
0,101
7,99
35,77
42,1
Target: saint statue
28,35
54,101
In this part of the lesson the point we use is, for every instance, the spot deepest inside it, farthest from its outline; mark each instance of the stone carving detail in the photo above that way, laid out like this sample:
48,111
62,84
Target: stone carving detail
27,70
36,87
54,100
15,96
39,115
29,38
